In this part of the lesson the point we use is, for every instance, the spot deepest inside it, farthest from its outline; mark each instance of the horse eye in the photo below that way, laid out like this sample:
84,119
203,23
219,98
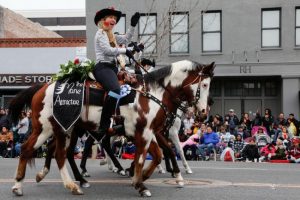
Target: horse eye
205,85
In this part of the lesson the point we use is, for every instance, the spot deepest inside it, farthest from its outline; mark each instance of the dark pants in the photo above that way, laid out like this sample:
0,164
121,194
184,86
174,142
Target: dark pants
106,74
3,147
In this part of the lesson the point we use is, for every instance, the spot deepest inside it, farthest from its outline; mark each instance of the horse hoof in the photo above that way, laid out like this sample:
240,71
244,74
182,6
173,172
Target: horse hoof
145,193
77,192
189,171
180,184
122,173
85,174
38,178
161,171
17,191
115,170
85,185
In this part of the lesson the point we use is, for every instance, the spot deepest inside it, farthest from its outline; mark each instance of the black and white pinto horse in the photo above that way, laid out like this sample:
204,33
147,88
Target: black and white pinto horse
143,118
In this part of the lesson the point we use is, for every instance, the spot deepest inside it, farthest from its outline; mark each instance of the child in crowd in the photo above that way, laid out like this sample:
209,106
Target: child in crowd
250,152
238,146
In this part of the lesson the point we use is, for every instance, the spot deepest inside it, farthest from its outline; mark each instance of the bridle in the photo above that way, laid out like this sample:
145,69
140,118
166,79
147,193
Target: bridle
171,115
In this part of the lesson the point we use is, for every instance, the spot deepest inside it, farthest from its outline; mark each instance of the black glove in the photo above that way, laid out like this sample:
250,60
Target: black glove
129,53
134,19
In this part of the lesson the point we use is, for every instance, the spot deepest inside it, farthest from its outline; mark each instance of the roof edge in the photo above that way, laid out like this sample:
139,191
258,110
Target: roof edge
41,42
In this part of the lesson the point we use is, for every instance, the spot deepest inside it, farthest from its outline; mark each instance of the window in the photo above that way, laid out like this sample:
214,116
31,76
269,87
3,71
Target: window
179,34
271,27
215,89
240,88
297,26
147,32
211,31
120,28
271,88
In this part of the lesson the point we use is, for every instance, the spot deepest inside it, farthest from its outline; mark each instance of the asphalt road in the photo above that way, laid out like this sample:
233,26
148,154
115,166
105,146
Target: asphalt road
210,180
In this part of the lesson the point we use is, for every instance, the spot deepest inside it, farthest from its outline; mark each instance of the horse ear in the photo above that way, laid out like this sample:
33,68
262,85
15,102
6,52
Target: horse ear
209,69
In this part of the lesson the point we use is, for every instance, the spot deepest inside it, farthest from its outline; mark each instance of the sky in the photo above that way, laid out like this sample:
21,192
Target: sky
42,4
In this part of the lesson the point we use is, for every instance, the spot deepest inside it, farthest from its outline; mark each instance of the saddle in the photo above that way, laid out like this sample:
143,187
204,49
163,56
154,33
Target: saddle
95,94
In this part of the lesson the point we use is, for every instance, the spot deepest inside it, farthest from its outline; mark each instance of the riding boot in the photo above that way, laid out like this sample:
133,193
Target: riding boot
107,111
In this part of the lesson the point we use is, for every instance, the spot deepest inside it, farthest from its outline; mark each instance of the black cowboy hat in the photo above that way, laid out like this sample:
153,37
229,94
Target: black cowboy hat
106,12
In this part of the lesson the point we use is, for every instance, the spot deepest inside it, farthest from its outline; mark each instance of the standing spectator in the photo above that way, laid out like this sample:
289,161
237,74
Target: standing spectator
245,121
23,127
3,118
294,124
216,123
280,120
267,120
257,121
208,142
6,138
231,118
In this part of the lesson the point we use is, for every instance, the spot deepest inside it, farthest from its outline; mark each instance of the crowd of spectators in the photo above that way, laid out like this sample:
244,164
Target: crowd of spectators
12,136
263,138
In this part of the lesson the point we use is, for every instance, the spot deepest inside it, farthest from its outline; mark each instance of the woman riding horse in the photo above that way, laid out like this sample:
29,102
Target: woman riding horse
107,50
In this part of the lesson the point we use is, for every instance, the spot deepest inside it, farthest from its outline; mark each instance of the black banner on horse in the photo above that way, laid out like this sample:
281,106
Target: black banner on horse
67,102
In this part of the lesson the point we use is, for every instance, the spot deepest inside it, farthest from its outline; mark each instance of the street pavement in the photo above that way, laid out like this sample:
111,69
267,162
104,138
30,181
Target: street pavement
210,180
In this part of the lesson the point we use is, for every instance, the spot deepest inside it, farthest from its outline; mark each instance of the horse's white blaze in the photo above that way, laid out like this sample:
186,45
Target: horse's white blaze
179,70
45,114
204,93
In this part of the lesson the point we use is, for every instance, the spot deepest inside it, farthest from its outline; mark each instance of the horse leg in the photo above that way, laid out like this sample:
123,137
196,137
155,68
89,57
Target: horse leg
34,141
70,155
107,148
50,151
87,148
163,143
160,169
156,154
175,139
142,145
60,156
167,162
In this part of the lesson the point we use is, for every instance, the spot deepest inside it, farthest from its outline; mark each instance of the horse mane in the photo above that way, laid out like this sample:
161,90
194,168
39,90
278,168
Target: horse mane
157,75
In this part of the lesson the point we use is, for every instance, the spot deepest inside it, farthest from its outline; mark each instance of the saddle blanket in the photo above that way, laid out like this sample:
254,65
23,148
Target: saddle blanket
67,102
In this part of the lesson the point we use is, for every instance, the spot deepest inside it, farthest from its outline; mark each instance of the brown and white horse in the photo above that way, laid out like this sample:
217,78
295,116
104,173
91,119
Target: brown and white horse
143,118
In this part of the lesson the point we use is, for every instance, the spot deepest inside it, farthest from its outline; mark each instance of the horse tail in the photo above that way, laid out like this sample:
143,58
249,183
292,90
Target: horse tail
21,100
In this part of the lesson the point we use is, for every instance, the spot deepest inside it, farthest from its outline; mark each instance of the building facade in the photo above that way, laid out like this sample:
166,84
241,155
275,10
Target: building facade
67,23
255,44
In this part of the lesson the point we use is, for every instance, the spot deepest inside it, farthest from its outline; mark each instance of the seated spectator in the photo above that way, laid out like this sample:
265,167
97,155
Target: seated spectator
190,145
294,151
280,152
129,150
226,139
243,132
267,150
208,143
262,138
250,152
285,134
238,146
6,138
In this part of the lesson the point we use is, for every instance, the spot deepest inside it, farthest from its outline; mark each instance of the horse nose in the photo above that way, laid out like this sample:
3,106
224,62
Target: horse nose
203,111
